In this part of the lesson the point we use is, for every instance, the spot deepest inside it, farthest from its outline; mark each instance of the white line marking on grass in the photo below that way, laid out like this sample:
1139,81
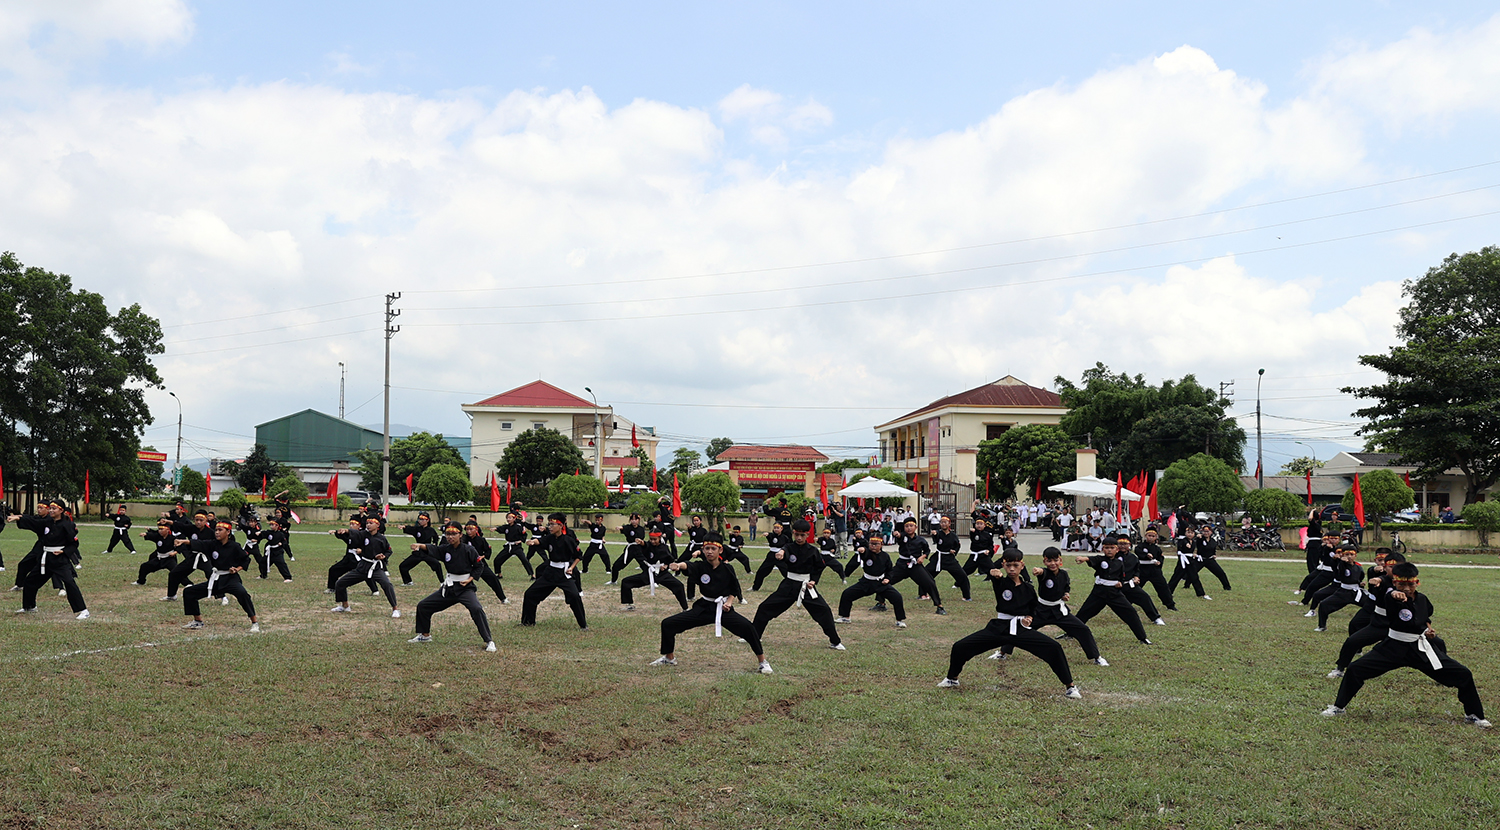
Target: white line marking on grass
136,646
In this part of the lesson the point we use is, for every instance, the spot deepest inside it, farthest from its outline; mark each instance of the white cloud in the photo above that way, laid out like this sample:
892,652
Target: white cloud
768,116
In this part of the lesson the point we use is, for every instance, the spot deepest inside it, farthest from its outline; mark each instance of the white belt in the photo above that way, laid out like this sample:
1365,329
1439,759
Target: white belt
1423,645
1354,588
1109,583
1014,621
1055,603
374,566
718,614
452,579
651,572
867,576
805,589
1380,609
214,577
1322,567
599,542
46,550
559,565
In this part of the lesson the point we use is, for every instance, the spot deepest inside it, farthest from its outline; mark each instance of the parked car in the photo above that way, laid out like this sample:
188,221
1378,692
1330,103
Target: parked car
1331,513
359,496
1406,516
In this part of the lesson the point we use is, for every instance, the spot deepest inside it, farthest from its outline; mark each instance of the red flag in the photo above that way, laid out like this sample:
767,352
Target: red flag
653,480
676,497
1257,470
1138,486
633,441
494,494
85,487
575,471
1038,495
1151,514
1309,487
1406,478
262,486
622,479
408,485
2,484
1359,502
510,484
823,494
1119,486
208,487
986,488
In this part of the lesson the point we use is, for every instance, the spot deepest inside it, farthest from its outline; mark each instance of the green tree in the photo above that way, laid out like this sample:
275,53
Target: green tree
576,493
640,474
1439,407
1024,455
232,500
712,493
192,485
1299,466
715,447
411,456
1202,483
1274,504
258,463
442,485
684,461
796,501
1107,408
844,464
291,485
1484,517
643,502
539,455
1383,492
73,379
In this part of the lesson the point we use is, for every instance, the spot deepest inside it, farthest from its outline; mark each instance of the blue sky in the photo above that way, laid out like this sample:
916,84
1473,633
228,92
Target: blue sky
924,196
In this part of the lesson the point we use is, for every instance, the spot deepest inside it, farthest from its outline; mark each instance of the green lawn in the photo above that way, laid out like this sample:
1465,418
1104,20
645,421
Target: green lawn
334,721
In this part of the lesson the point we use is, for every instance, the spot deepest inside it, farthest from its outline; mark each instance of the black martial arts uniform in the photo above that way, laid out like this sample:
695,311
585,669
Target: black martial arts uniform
946,559
221,557
777,543
514,534
163,558
52,563
1014,600
181,575
1052,609
734,551
1344,590
1109,575
482,571
1130,587
596,546
372,556
715,586
559,553
910,550
800,564
422,535
120,533
1406,644
1150,562
981,551
1208,560
653,560
1187,566
875,570
458,588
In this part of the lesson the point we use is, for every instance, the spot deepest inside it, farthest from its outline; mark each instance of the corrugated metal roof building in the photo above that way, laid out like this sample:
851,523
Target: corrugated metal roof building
315,439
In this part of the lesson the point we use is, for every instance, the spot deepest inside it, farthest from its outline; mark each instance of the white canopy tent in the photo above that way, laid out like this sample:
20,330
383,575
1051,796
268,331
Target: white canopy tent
875,488
1093,486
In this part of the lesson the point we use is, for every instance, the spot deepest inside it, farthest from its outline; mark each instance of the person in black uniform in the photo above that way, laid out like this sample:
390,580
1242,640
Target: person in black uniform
1109,577
274,541
802,565
1384,559
1208,555
668,523
1345,588
474,535
875,569
981,548
198,530
120,532
372,556
828,546
912,552
1371,618
253,537
1053,590
226,560
779,514
1186,571
1320,573
425,538
777,541
514,533
1150,562
734,549
946,558
717,589
1015,607
634,533
459,560
54,533
1130,584
164,556
347,562
653,556
597,530
696,534
1408,643
557,571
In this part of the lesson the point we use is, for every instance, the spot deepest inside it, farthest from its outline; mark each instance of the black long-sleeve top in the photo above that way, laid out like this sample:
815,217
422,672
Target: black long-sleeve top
459,560
1148,555
1017,599
1053,586
166,543
828,544
633,533
875,565
423,534
1107,567
562,548
122,522
777,541
911,547
596,531
1206,548
981,541
1349,573
735,542
480,544
946,542
365,546
647,553
802,559
514,532
222,555
697,535
1411,615
713,582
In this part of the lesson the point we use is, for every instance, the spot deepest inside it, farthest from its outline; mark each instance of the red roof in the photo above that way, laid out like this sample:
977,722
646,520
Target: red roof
1007,391
776,452
538,393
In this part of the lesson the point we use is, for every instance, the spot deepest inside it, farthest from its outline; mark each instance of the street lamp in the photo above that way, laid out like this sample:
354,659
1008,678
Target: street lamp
1260,473
1314,452
177,462
598,437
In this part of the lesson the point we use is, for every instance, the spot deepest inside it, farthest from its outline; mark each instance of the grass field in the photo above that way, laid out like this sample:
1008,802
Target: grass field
334,721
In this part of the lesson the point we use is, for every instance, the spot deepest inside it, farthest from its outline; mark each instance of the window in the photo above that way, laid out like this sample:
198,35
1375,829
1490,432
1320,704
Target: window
505,424
539,425
993,431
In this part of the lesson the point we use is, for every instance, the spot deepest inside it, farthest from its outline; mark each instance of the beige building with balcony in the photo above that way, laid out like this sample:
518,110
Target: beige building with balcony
498,420
940,440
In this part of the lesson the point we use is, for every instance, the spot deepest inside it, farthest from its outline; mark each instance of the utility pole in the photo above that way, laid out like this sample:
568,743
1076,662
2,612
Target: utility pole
1226,389
342,374
598,437
1260,471
177,461
385,446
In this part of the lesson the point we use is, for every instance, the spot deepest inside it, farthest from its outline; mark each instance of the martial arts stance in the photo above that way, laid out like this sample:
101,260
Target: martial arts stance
1015,605
875,570
54,533
484,573
653,556
981,548
1151,561
596,543
1109,576
912,554
424,537
1054,589
372,556
801,564
946,558
776,540
226,560
717,588
459,560
514,533
1408,643
164,557
557,572
120,532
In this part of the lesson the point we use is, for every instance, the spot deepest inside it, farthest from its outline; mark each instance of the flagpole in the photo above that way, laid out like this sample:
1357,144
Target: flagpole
1260,473
385,441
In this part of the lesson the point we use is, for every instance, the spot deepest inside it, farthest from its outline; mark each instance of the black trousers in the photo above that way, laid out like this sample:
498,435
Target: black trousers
871,587
1338,600
1363,617
355,576
1314,582
1211,564
552,579
701,614
951,567
1138,597
925,583
36,579
732,555
486,575
152,565
1158,580
595,549
766,566
1187,574
642,580
274,556
181,575
1072,626
418,558
1359,641
517,550
997,635
117,536
229,585
446,597
981,563
1104,595
784,597
1390,655
337,570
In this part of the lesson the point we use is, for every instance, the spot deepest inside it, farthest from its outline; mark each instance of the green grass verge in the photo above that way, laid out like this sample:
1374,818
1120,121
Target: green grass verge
334,721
